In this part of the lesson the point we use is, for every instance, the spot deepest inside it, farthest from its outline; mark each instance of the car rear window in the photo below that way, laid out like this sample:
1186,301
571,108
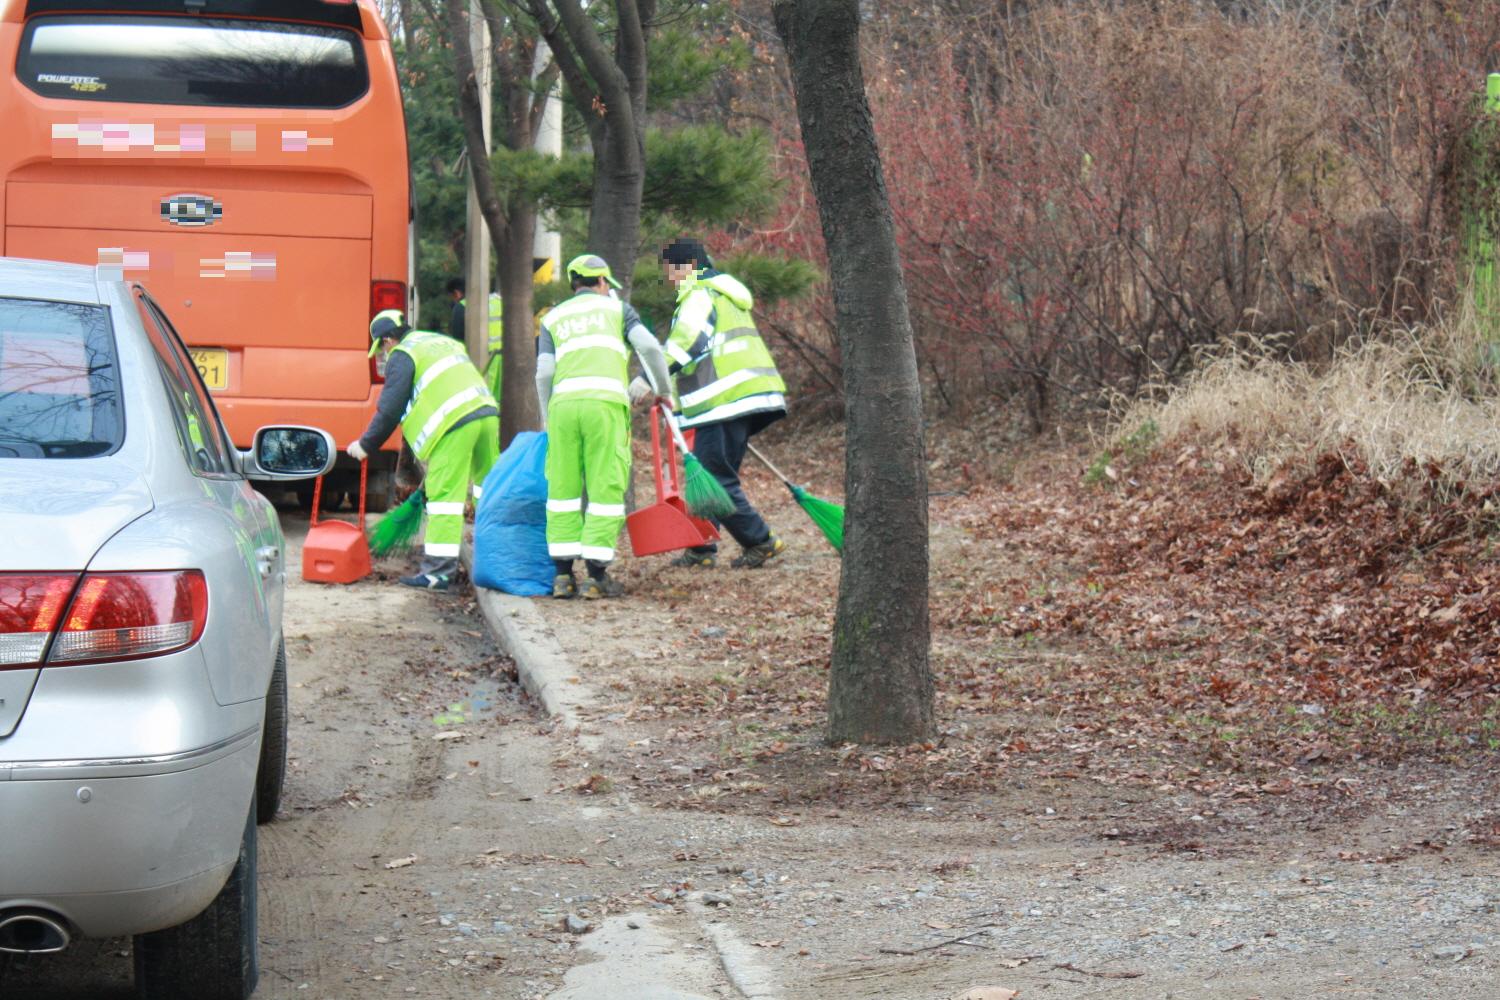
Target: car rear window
59,381
212,62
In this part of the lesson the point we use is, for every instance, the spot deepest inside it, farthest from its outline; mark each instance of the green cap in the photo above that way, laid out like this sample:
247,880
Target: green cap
591,265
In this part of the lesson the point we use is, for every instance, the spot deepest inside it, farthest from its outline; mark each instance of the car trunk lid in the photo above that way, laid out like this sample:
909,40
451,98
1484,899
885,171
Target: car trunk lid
58,512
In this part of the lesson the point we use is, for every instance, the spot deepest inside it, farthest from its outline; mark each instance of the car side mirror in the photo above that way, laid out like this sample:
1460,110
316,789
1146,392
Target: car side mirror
285,453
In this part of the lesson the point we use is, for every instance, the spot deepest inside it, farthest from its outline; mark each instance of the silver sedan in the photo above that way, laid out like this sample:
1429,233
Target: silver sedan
142,668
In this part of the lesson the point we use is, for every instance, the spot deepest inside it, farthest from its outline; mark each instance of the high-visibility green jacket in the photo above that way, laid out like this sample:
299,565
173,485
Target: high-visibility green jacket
588,340
446,387
724,368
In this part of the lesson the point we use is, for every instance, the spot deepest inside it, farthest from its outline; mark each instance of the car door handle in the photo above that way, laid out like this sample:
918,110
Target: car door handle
265,558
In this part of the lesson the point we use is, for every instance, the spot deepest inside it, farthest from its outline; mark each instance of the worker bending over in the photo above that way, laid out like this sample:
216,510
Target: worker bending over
582,361
449,419
728,389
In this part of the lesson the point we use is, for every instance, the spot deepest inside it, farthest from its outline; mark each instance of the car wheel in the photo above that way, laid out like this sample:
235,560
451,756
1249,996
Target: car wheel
214,955
271,776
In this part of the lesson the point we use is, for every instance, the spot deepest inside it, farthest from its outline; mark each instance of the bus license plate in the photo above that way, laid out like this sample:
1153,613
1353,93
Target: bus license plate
213,365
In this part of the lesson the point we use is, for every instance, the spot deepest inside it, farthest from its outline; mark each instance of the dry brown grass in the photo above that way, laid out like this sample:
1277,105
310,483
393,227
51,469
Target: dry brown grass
1427,395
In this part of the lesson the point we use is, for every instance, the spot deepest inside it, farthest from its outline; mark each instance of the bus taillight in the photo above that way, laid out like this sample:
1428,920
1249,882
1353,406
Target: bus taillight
387,295
384,295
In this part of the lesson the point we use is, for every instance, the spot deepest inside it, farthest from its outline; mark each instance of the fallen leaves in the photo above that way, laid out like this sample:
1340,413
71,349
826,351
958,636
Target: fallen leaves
1186,627
405,862
594,784
1324,560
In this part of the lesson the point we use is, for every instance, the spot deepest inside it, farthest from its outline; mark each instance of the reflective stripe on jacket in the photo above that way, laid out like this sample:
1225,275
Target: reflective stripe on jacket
726,369
446,387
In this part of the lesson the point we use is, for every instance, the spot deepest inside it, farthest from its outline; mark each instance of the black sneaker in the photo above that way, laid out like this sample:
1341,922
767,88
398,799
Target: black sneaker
594,588
696,560
426,581
564,586
757,556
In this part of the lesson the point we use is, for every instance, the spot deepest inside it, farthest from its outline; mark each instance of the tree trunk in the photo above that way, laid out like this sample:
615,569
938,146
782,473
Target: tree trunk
610,86
881,687
512,225
518,405
469,112
615,208
408,30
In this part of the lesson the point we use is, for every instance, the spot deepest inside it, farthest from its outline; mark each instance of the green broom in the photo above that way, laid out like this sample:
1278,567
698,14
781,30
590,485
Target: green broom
704,495
398,529
828,516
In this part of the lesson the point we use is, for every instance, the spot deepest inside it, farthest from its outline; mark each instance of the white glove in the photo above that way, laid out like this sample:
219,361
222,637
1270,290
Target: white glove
355,452
640,391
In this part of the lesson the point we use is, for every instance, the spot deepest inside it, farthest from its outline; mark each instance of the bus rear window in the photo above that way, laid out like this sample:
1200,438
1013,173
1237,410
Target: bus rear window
192,61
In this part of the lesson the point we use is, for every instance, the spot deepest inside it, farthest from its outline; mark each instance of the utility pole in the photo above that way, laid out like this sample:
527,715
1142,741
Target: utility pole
476,233
547,243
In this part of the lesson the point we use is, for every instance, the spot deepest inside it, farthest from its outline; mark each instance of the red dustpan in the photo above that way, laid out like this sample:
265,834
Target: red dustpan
666,526
336,551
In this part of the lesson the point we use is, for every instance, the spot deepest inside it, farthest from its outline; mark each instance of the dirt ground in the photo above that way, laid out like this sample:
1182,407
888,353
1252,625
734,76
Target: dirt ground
410,861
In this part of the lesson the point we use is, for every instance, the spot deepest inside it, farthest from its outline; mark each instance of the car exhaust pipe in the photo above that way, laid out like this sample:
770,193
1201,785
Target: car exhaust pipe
29,932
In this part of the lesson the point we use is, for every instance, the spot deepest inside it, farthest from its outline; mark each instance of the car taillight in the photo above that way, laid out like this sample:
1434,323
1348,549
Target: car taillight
31,604
124,616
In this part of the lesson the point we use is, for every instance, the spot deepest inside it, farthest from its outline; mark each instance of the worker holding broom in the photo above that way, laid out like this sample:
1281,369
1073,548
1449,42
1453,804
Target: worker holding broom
582,359
449,419
728,389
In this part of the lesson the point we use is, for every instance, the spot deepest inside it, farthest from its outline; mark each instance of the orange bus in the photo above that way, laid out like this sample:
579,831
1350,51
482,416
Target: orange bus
246,160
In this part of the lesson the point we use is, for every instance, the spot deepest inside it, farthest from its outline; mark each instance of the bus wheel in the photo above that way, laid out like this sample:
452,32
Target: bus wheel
379,492
333,497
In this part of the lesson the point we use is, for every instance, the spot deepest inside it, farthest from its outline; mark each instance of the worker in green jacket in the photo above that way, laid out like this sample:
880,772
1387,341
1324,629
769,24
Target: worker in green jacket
494,367
449,419
728,389
583,354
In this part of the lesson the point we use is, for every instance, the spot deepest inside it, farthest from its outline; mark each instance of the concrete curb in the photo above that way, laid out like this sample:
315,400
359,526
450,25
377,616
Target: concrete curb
520,631
545,670
744,971
741,963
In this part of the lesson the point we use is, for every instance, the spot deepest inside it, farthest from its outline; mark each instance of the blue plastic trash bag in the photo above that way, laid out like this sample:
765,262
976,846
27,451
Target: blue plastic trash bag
510,523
